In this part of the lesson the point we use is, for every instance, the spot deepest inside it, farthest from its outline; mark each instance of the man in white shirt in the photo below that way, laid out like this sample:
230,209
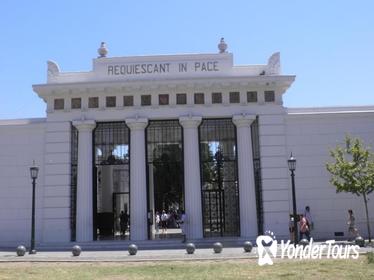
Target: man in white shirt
164,220
182,224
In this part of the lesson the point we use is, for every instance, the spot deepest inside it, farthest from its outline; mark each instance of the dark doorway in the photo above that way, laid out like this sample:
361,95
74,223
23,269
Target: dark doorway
165,178
111,181
121,202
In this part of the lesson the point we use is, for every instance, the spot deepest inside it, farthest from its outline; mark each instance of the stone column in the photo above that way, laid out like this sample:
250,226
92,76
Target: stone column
138,180
192,182
84,226
247,193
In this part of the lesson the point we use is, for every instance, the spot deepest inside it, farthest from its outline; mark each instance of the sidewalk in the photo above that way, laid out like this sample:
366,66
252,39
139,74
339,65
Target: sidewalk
123,256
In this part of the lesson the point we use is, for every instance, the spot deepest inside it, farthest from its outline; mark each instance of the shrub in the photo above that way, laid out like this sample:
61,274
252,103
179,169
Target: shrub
370,257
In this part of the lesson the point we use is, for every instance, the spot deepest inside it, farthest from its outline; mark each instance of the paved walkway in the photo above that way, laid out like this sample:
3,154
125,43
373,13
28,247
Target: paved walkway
123,256
141,256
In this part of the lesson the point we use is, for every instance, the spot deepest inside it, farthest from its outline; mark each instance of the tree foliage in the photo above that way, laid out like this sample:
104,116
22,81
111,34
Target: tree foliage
168,176
353,169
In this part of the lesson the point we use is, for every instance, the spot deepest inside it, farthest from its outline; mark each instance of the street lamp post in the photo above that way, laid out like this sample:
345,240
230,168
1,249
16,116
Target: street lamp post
34,174
292,166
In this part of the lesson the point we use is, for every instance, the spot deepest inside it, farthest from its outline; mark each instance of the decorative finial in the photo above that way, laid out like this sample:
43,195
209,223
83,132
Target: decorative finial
102,50
222,46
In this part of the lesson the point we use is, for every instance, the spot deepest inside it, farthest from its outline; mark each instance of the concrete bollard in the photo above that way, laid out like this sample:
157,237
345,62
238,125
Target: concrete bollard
303,242
248,246
76,250
133,249
190,248
21,251
360,241
217,247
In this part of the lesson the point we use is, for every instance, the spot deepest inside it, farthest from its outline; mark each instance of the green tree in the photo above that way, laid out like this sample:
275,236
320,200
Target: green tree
353,170
168,176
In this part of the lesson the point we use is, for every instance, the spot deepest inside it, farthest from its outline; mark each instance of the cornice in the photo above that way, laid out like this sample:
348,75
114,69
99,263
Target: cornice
278,81
10,122
164,57
330,110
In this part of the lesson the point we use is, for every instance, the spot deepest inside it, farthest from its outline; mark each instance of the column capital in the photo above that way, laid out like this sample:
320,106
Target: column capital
243,120
137,123
84,125
190,121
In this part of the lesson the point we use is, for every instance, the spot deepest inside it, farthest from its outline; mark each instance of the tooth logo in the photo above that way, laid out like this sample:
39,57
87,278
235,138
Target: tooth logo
263,242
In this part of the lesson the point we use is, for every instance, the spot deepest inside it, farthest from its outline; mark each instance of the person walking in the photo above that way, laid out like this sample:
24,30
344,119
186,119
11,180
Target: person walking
352,230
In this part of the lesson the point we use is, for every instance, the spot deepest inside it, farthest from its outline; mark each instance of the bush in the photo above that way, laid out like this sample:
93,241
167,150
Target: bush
370,257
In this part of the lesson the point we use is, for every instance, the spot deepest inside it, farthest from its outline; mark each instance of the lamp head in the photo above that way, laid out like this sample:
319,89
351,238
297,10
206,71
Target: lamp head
291,163
34,172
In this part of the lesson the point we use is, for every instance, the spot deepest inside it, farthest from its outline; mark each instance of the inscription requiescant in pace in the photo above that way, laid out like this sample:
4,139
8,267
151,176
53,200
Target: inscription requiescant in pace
157,68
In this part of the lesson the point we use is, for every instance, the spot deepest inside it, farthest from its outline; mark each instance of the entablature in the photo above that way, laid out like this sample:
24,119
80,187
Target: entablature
281,82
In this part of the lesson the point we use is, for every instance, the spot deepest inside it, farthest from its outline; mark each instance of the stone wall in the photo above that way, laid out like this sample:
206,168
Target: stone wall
21,142
310,136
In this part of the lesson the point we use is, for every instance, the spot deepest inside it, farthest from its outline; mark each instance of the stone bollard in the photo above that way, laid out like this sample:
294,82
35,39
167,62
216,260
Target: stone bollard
21,251
303,242
133,249
76,250
360,241
248,246
217,247
190,248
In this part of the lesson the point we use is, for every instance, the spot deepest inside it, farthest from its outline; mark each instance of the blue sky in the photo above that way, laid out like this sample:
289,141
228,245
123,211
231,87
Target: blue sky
329,45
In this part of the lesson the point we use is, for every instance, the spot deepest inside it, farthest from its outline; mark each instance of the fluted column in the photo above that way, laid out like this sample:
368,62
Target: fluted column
84,222
247,193
138,179
192,182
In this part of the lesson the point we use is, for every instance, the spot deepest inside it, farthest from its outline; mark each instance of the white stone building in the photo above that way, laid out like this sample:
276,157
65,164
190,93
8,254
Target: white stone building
186,132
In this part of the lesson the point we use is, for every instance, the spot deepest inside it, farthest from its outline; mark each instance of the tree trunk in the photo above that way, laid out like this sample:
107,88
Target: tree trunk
367,216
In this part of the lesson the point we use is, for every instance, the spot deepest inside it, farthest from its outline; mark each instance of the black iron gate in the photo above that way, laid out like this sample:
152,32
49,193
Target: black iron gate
214,218
219,178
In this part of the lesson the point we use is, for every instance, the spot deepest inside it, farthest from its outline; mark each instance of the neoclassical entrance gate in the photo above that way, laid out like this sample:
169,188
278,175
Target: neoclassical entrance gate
111,188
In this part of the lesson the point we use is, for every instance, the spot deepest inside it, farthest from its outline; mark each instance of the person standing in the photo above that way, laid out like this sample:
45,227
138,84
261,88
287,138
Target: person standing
164,220
308,217
124,219
291,229
157,222
304,228
183,224
352,230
